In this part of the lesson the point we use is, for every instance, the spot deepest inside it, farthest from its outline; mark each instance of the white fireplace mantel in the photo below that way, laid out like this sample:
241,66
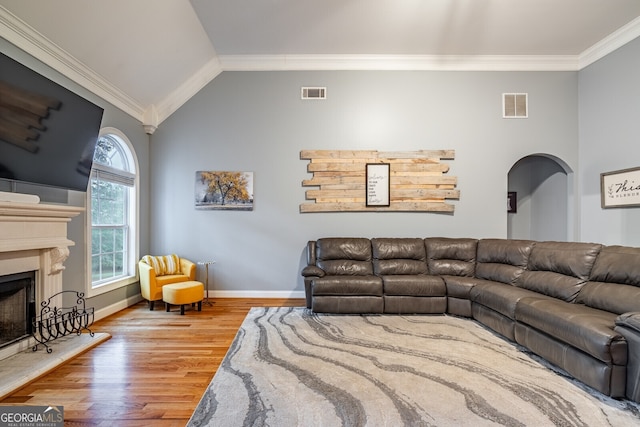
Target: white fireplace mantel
27,226
33,237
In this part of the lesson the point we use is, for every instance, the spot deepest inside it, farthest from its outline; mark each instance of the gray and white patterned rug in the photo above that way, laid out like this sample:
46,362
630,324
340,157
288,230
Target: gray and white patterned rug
290,367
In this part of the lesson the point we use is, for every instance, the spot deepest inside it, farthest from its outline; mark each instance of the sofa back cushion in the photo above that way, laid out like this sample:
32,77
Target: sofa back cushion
574,259
614,284
164,264
349,256
617,264
392,256
502,260
559,269
451,256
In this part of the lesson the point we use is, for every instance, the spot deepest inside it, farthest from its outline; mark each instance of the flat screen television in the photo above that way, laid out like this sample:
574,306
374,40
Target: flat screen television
47,133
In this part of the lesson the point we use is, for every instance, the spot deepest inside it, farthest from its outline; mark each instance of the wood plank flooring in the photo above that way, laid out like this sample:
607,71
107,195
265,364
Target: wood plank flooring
153,370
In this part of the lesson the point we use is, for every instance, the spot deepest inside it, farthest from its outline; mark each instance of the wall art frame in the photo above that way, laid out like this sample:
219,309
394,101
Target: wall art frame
620,189
378,184
224,190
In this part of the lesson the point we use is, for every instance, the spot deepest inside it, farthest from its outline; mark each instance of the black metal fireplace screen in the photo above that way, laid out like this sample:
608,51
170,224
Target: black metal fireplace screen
55,322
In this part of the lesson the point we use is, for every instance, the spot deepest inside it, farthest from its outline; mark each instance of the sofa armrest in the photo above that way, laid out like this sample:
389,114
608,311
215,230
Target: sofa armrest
312,271
311,252
188,268
628,325
147,281
629,320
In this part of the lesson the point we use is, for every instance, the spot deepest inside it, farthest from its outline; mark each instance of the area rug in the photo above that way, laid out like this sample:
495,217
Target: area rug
291,367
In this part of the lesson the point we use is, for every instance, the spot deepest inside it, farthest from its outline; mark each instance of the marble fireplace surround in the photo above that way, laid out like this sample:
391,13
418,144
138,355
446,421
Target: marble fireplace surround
33,237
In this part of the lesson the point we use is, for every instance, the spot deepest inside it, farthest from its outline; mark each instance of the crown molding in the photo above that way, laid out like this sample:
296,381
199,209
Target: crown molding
399,62
23,36
610,43
188,89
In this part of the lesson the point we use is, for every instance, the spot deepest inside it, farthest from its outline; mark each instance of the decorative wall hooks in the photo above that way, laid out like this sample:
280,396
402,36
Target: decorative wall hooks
417,181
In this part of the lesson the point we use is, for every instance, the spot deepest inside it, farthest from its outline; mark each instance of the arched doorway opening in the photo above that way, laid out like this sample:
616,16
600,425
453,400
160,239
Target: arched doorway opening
541,184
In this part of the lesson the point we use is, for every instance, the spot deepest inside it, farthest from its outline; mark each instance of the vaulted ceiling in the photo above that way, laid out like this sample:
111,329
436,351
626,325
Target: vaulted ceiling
148,57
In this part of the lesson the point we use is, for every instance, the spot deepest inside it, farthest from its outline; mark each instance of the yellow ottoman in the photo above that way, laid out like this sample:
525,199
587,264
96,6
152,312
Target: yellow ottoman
183,293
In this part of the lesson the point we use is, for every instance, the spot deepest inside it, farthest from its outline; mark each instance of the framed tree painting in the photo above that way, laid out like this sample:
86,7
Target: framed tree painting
224,190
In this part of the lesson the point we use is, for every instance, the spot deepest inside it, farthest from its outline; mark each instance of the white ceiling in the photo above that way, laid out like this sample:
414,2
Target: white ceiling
149,56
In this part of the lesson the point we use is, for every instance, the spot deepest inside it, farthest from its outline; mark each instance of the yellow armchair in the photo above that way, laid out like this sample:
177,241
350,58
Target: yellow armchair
157,271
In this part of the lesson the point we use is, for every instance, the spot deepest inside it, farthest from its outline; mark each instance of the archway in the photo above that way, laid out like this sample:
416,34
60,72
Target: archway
541,184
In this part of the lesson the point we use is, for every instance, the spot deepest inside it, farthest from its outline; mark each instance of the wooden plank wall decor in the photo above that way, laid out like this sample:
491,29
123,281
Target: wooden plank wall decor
417,181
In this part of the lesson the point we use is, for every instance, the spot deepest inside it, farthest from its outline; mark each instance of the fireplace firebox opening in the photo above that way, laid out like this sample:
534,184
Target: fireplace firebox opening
17,306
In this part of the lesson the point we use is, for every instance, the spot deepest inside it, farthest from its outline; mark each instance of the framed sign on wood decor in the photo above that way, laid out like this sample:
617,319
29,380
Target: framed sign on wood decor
378,185
620,189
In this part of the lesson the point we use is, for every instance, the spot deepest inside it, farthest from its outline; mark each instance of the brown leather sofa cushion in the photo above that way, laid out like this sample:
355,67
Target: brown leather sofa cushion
505,251
459,287
617,264
500,297
398,256
344,256
451,256
612,297
582,327
615,281
347,285
552,284
502,260
419,285
568,258
559,269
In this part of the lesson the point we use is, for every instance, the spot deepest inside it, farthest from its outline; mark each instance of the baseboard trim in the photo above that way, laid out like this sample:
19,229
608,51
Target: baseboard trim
256,294
121,305
114,308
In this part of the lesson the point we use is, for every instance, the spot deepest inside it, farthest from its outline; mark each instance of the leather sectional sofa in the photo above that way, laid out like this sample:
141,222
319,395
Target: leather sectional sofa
575,304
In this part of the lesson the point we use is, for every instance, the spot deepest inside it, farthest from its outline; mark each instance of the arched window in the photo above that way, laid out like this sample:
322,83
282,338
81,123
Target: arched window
113,205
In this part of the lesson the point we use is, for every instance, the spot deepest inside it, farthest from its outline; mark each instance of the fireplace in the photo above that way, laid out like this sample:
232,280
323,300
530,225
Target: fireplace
17,306
33,248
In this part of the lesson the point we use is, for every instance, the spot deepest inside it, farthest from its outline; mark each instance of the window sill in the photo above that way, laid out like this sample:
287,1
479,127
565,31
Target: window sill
110,286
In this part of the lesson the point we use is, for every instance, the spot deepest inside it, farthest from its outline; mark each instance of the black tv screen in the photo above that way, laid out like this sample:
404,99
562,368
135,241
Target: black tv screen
47,133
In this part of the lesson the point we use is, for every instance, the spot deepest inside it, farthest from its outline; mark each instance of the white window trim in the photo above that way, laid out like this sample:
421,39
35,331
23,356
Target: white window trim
135,227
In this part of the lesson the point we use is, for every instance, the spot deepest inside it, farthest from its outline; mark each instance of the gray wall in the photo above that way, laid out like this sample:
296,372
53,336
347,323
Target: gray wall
609,140
255,121
76,271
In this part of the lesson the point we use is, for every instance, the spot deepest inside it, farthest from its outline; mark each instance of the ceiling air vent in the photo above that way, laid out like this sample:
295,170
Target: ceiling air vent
314,93
515,105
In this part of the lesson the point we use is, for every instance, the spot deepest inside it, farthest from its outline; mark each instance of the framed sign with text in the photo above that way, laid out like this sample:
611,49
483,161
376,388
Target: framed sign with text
378,185
620,188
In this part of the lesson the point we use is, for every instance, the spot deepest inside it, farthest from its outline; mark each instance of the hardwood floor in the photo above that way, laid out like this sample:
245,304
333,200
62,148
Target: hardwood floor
153,370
